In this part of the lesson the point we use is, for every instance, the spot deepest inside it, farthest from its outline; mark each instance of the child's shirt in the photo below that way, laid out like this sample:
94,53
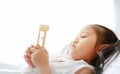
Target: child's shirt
62,65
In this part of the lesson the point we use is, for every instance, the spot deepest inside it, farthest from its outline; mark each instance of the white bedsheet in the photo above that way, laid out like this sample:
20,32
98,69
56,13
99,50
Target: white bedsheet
6,68
59,65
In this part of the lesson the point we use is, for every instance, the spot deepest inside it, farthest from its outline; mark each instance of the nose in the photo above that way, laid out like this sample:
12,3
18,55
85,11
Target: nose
75,41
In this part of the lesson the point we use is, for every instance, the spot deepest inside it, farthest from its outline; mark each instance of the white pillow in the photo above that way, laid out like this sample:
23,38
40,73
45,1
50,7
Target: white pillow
65,49
113,66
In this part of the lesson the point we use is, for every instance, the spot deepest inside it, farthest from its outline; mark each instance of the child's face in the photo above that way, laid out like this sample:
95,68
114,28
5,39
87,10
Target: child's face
83,47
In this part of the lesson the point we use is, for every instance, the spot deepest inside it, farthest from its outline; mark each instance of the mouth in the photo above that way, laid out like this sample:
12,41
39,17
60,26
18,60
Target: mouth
72,46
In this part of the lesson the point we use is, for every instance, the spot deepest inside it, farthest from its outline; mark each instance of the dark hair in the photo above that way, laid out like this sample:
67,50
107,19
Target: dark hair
104,36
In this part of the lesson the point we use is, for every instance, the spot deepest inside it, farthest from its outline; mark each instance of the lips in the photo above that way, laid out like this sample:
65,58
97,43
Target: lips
73,46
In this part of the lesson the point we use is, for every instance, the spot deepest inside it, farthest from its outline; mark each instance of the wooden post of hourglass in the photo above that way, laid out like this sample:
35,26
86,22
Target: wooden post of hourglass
44,29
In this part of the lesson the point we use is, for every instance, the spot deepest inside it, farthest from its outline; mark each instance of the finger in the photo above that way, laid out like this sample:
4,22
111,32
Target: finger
29,49
46,51
37,46
28,60
28,52
32,46
33,49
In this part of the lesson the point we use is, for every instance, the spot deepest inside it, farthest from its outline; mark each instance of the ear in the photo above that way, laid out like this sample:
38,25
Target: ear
101,47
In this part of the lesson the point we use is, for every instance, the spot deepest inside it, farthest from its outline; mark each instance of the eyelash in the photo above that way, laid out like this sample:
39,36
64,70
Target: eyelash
83,36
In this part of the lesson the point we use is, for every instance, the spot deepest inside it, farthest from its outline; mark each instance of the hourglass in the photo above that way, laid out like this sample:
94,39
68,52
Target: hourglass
44,29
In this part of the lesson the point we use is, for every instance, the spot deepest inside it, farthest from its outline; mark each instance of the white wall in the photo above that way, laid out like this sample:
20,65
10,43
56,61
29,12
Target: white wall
20,20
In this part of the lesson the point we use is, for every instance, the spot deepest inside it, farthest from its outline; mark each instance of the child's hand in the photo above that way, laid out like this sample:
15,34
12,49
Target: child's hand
39,57
27,56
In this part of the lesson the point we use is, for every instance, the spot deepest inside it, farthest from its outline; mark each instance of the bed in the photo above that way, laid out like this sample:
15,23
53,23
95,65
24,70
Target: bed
6,68
112,67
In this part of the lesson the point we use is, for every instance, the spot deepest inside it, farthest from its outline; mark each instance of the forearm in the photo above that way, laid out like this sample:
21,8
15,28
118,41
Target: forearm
44,70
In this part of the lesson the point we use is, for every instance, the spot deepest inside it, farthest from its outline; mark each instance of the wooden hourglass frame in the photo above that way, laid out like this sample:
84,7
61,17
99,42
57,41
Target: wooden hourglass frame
44,29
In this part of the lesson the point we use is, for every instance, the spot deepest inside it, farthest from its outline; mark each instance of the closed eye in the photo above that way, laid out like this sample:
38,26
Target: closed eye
83,36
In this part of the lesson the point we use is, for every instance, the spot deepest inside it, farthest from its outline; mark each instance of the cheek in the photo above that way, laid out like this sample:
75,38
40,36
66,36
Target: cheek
86,48
86,45
83,49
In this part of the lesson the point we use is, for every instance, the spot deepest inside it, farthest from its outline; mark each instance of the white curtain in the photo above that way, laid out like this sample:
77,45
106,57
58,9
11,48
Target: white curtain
20,20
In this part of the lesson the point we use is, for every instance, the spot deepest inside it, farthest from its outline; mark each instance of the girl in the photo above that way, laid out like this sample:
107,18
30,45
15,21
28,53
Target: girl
87,53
